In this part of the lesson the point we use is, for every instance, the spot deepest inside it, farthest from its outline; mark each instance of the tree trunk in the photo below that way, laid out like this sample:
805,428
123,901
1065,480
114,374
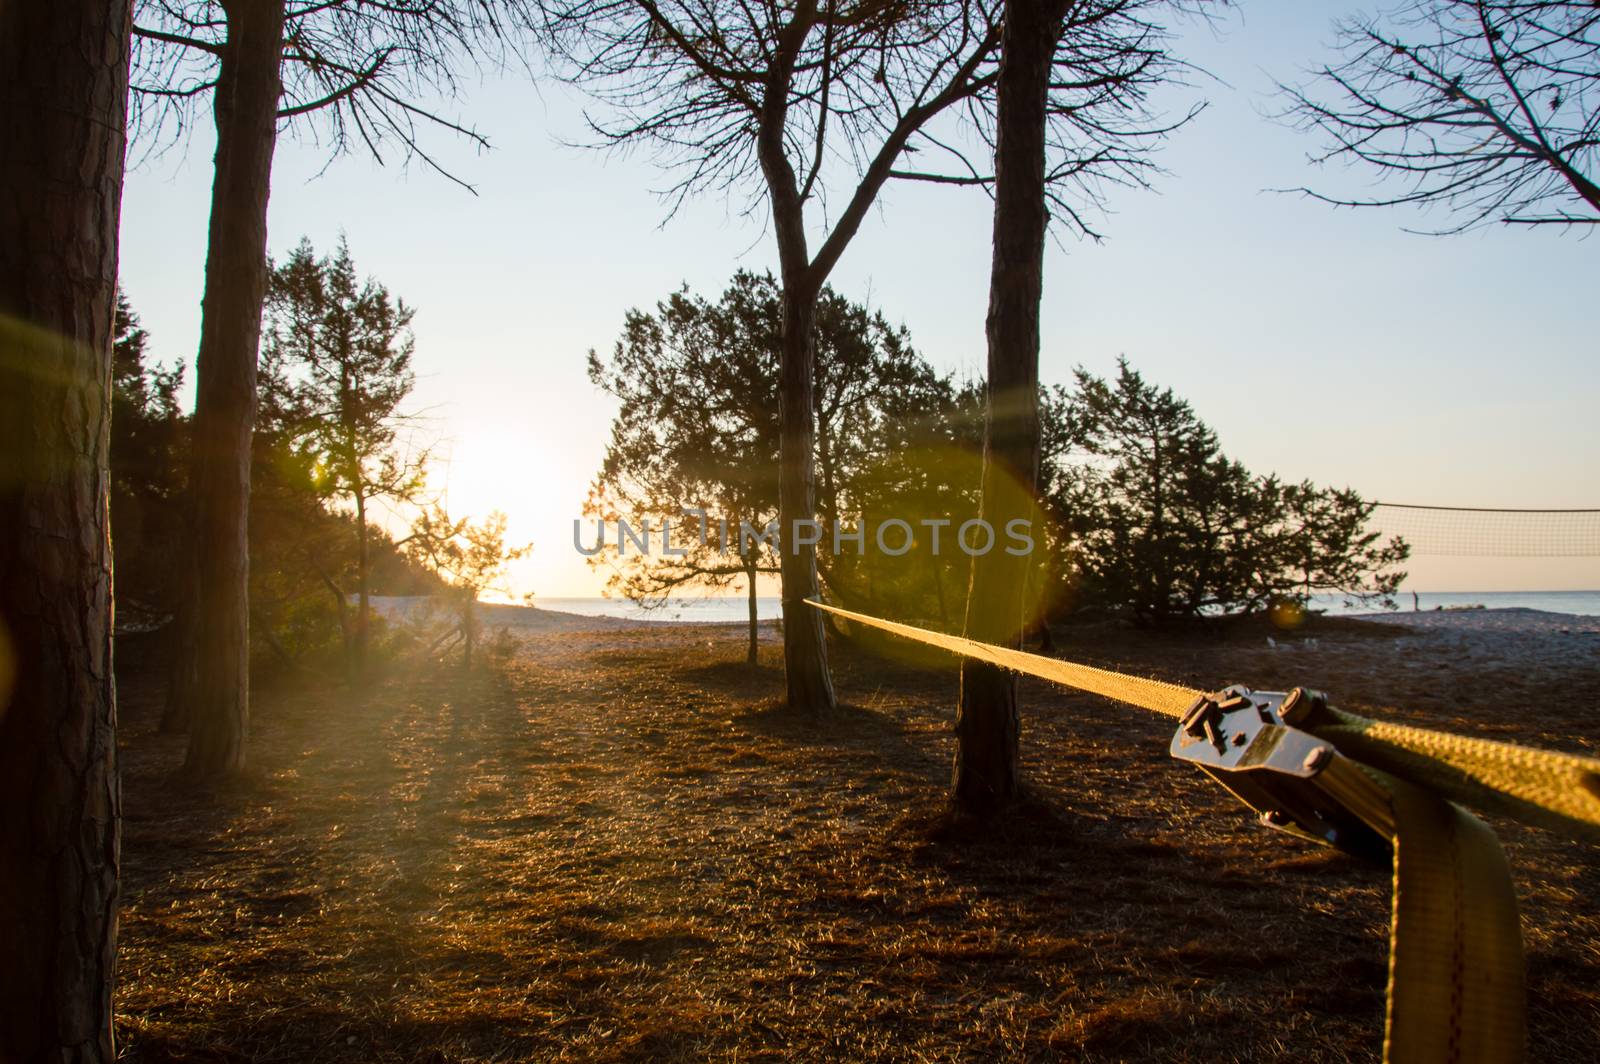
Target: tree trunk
246,108
363,592
341,602
469,630
1047,638
986,772
805,646
755,620
63,96
1161,571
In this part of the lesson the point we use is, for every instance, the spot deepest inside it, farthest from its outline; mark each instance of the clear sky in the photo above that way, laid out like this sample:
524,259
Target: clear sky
1321,344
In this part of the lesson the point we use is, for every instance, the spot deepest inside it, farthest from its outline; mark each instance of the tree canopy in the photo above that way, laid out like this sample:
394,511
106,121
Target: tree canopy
1164,524
1140,510
337,357
305,535
148,440
698,426
822,97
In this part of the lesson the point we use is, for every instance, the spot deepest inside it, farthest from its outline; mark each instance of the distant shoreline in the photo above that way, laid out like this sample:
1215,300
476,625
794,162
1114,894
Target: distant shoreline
732,609
1576,607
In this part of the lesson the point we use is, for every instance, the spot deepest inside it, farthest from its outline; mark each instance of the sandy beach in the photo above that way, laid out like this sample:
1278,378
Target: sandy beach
617,847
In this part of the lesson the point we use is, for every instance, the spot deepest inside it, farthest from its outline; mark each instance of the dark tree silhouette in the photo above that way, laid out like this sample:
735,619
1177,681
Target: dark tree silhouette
1166,525
697,384
149,450
357,75
985,776
342,348
732,90
1164,505
63,93
789,100
351,71
1489,109
698,426
919,461
305,548
1060,60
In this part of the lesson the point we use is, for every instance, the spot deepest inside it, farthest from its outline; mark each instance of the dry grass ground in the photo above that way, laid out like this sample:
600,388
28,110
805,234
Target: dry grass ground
618,848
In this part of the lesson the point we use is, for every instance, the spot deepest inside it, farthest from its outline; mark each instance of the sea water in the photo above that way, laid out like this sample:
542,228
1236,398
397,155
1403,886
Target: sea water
736,608
701,610
1578,602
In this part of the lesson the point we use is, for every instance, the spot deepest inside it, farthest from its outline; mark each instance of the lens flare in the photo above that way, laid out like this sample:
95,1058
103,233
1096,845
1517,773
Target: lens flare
934,490
1287,615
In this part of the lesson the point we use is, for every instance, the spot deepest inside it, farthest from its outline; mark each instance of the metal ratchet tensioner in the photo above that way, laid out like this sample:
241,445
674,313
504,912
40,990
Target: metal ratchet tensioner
1251,742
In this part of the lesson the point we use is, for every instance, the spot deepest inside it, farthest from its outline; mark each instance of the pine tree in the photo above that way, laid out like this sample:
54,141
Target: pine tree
341,349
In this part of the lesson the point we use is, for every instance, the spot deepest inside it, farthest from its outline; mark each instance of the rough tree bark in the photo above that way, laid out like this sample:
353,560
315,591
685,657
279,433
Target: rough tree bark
246,109
805,646
808,682
986,772
63,96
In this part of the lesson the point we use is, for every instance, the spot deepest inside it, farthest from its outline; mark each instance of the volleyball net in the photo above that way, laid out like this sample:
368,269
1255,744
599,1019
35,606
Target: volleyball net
1485,533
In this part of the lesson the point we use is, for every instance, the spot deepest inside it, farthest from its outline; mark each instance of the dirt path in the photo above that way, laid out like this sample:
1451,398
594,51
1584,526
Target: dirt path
618,849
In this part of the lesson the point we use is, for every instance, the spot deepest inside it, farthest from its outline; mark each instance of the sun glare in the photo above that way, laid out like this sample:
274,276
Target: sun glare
501,469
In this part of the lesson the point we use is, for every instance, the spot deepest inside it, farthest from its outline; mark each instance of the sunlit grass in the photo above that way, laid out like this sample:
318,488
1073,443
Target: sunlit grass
624,848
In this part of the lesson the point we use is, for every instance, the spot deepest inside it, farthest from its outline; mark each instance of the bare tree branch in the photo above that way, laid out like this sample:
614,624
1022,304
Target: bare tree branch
177,39
356,73
1486,109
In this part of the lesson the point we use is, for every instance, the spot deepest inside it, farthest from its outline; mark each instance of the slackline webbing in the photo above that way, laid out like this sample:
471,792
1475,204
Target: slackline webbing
1456,991
1554,790
1557,791
1158,696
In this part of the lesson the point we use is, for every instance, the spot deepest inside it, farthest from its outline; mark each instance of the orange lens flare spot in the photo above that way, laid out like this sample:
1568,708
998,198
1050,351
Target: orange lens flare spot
1287,615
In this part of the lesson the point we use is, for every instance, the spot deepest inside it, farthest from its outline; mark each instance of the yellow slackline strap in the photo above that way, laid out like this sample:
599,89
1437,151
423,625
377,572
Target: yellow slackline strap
1154,695
1456,992
1553,790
